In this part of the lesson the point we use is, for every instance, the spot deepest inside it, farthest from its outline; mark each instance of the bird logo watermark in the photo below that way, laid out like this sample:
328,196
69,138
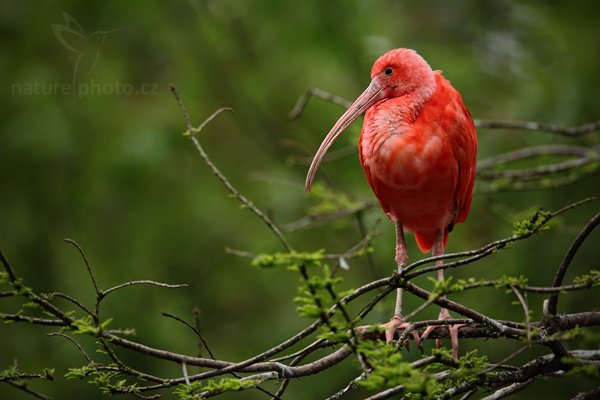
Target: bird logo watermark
87,49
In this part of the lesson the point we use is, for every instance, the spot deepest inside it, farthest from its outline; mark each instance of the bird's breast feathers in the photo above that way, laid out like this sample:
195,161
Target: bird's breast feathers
403,155
414,158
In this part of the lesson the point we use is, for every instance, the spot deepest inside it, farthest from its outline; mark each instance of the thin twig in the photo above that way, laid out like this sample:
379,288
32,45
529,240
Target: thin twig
87,264
23,387
295,361
144,282
31,295
564,265
123,368
353,384
363,232
593,394
330,156
357,249
468,394
11,272
525,310
99,295
194,329
70,339
258,379
20,377
32,320
387,393
531,289
72,300
185,374
201,342
570,131
542,184
310,220
508,390
540,171
213,168
380,296
321,94
505,359
417,310
317,344
530,152
353,252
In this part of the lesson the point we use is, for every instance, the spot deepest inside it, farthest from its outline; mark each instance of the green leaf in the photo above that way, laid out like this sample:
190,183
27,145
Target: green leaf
291,260
81,372
388,370
592,279
532,224
508,281
197,388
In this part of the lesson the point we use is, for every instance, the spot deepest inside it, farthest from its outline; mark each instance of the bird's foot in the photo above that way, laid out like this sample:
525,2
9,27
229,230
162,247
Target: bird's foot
390,328
452,331
399,323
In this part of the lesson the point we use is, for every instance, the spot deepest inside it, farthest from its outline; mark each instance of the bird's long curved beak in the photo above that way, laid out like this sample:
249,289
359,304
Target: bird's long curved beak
372,94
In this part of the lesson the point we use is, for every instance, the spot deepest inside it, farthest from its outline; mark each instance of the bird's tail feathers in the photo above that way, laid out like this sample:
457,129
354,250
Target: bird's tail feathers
425,240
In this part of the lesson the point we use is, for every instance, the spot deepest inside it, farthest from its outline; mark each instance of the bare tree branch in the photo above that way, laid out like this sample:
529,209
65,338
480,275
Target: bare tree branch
143,282
537,172
23,387
213,168
570,131
591,395
321,94
531,152
564,265
508,390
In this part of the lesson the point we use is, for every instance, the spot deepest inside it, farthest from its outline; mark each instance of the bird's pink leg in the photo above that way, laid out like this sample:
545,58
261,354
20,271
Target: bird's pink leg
401,259
438,250
397,320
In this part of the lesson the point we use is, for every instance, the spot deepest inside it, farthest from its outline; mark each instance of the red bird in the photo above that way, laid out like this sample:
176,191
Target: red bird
418,148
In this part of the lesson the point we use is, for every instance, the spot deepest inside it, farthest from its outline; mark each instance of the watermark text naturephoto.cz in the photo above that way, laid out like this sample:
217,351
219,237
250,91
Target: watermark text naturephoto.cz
91,88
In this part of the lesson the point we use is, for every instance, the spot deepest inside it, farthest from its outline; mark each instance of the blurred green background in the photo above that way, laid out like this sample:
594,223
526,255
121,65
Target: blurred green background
104,161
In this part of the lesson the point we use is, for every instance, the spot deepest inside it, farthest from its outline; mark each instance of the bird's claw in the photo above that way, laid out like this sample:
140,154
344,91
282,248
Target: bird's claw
452,332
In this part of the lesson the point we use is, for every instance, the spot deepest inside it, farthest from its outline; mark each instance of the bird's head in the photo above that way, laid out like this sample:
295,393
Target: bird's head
402,72
399,72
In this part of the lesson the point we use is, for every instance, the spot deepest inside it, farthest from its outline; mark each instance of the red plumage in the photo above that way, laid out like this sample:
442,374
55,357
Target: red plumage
418,145
418,148
421,165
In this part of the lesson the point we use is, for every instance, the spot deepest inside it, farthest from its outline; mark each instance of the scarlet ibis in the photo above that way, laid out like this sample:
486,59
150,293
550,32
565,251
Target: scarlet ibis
418,149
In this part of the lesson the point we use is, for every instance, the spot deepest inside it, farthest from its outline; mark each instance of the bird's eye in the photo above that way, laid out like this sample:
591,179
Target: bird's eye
388,71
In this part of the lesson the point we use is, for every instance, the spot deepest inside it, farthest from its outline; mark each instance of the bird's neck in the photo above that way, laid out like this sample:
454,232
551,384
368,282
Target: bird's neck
406,108
396,113
395,116
428,82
